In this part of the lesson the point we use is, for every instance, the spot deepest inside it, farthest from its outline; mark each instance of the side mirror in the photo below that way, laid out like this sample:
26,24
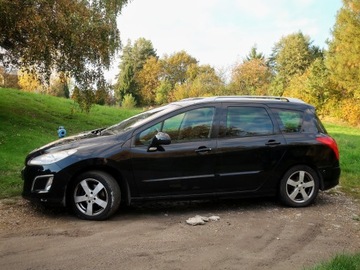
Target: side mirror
161,138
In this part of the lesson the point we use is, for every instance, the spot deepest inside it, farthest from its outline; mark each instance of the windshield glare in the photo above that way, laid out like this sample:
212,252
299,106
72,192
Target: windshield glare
135,121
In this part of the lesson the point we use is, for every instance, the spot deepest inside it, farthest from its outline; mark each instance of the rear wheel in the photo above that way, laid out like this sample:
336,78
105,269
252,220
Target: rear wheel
299,186
95,196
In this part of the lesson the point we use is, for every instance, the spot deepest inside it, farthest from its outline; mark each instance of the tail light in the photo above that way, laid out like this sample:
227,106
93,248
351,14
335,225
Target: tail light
327,140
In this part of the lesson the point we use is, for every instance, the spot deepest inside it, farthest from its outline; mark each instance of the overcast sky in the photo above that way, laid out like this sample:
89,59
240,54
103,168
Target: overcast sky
221,32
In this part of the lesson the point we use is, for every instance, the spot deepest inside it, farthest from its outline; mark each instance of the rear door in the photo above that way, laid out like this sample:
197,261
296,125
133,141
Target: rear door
249,148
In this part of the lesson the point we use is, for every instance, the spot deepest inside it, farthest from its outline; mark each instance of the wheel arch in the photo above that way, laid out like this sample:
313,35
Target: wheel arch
311,191
116,174
308,164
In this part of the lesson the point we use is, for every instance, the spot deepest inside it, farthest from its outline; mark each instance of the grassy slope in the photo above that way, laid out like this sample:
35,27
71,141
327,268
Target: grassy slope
28,121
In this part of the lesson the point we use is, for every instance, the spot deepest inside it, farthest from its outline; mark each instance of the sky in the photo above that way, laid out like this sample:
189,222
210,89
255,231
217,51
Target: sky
222,32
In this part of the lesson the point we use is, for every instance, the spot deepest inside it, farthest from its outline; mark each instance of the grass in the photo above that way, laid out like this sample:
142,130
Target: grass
348,140
29,120
341,262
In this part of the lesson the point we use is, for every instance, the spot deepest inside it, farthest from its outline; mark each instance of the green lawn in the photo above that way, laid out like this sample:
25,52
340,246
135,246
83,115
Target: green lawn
348,139
340,262
28,121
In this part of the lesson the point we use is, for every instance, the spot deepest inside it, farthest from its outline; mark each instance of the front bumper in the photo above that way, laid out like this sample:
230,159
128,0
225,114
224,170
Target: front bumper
44,184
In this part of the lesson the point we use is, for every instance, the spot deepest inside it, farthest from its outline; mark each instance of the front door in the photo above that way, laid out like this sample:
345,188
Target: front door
187,165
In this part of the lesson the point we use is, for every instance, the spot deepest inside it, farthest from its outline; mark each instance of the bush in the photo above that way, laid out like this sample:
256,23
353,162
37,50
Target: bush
128,102
350,111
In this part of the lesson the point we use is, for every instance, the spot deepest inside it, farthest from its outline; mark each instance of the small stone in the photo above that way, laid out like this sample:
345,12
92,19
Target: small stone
214,218
197,220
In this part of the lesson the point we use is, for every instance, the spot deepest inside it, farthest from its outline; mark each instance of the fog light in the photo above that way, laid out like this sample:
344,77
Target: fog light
42,183
49,183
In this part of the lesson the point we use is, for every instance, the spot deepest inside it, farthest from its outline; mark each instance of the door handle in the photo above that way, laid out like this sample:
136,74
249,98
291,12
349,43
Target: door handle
272,142
203,149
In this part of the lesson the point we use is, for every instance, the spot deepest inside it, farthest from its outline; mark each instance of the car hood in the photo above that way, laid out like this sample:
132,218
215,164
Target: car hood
81,140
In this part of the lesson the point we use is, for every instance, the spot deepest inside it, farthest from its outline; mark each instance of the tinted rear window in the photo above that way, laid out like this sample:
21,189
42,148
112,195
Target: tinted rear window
289,121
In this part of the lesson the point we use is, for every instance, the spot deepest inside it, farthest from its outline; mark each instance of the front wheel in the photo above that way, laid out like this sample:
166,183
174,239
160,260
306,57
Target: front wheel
95,196
299,186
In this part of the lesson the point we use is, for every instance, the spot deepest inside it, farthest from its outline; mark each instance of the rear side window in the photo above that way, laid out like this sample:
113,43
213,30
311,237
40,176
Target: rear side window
247,121
289,121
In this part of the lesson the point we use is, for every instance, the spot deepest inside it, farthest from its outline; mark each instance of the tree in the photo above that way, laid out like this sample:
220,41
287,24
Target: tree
133,59
252,77
202,81
162,92
175,67
29,82
85,98
148,80
75,36
291,56
59,85
103,95
138,53
126,83
343,60
254,54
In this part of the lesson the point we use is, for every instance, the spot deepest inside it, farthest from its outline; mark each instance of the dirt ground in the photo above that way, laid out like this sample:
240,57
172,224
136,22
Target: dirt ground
251,234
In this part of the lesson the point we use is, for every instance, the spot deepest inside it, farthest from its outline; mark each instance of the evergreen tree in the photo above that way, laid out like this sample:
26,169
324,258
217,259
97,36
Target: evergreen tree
343,61
132,61
291,56
343,58
254,54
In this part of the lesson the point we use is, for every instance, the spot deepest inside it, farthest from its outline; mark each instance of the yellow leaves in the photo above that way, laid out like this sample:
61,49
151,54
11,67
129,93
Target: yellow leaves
148,79
350,111
354,5
251,78
29,82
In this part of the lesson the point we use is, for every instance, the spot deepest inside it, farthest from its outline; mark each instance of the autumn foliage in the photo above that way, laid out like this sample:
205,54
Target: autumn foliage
327,78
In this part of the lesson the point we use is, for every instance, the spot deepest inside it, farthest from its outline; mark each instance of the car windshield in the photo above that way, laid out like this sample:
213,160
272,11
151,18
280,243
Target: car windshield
135,121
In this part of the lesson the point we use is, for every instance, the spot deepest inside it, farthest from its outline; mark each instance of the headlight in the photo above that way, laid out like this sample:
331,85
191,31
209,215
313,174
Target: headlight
51,157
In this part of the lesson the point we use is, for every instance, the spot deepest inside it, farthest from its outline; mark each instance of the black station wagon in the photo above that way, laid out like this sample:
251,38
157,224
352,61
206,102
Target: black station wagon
194,148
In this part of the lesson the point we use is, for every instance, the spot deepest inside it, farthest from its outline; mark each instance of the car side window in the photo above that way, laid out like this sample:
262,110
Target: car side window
195,125
191,125
145,136
289,121
247,121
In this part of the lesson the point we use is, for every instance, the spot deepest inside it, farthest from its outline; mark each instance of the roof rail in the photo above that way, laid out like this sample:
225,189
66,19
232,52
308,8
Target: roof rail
259,97
267,97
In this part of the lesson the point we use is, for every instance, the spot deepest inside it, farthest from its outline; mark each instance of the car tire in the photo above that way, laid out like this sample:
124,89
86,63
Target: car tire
95,195
299,186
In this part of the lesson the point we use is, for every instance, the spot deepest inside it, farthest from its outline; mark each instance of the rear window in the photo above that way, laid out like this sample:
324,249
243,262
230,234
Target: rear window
320,127
289,121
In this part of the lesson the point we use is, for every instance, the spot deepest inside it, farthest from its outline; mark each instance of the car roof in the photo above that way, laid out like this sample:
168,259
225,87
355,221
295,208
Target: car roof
275,100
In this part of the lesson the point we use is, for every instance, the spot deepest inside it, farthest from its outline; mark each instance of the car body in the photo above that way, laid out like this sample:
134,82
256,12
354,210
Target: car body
194,148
